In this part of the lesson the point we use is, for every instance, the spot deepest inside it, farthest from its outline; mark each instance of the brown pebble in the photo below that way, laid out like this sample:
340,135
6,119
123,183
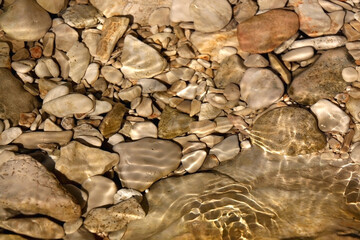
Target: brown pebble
36,52
26,119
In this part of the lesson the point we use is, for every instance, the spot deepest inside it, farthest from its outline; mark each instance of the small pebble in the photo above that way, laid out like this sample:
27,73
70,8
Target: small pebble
350,74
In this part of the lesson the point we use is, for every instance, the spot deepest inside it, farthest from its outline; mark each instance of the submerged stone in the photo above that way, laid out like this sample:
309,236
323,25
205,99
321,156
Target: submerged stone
173,123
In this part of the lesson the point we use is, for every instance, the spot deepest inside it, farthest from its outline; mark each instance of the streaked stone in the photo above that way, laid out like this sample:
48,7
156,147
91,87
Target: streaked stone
330,117
140,60
192,161
79,59
151,85
142,130
299,54
226,149
193,146
31,140
231,71
145,161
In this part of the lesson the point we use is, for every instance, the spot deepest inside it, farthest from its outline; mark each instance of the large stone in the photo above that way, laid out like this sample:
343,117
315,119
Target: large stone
173,123
295,132
113,218
263,33
31,189
145,161
25,20
140,60
323,79
79,162
231,71
13,98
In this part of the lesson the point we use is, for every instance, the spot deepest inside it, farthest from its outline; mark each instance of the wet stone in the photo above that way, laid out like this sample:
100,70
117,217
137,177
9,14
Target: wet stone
231,71
112,121
173,123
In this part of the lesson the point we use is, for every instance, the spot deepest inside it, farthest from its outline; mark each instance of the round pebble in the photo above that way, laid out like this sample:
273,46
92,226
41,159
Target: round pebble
349,74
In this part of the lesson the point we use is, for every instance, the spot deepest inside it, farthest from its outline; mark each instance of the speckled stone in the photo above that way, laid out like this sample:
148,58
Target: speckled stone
296,132
173,123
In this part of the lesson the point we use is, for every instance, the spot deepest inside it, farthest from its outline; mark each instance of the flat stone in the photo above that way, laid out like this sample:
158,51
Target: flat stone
208,111
9,135
313,20
350,74
256,60
279,67
92,73
23,66
101,107
320,43
321,80
149,85
145,161
231,70
192,161
210,15
263,33
50,198
112,75
13,98
180,11
142,130
40,227
145,107
202,128
353,106
113,29
112,121
79,162
113,218
140,60
52,6
65,37
173,123
260,82
70,104
330,117
25,21
79,59
31,140
355,153
226,149
130,94
91,38
160,17
81,16
296,132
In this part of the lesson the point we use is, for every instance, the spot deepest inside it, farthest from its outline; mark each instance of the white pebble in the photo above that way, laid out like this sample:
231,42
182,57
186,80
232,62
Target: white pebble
299,54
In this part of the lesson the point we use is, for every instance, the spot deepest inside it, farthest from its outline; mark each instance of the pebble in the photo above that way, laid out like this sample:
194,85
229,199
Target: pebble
70,104
81,16
130,94
349,74
189,92
101,192
353,106
127,193
192,161
223,124
145,107
355,153
31,140
180,11
140,60
65,37
279,67
299,54
112,75
18,190
208,111
23,66
321,80
142,130
320,43
101,107
145,161
210,15
256,61
330,117
193,146
271,4
296,132
245,10
91,38
226,149
149,85
25,20
92,73
79,59
231,70
260,82
202,128
73,226
160,17
112,121
9,135
5,55
173,123
263,33
50,126
52,6
114,218
113,29
62,59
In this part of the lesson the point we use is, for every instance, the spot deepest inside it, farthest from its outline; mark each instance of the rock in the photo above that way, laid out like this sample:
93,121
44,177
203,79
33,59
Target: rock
232,92
63,61
73,226
78,162
202,128
112,121
79,59
92,73
23,66
127,193
70,104
140,60
256,61
353,106
91,38
81,16
5,55
9,135
279,67
226,149
101,191
296,132
355,153
180,11
101,107
25,20
151,85
50,126
313,20
112,31
56,92
145,161
189,92
320,43
192,161
138,9
80,234
173,123
323,79
260,82
208,111
245,10
263,33
39,227
298,55
11,237
145,107
210,15
65,37
142,130
330,117
160,17
53,6
46,67
112,75
50,198
349,74
130,94
13,98
212,43
271,4
31,140
113,218
231,71
223,124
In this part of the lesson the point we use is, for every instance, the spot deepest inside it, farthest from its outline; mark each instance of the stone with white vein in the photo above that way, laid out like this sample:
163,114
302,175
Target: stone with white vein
142,130
79,59
226,149
330,117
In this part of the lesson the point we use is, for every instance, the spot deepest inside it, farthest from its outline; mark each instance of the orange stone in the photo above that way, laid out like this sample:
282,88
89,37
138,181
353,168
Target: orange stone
36,52
263,33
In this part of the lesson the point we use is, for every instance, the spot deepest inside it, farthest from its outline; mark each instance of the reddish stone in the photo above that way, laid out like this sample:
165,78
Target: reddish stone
36,52
263,33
